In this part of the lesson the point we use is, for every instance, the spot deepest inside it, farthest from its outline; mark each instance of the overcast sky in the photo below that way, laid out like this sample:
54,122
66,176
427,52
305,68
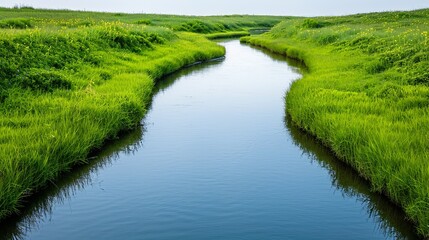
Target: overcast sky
218,7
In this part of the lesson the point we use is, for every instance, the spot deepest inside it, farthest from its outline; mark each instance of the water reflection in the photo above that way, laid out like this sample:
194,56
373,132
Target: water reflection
390,218
40,205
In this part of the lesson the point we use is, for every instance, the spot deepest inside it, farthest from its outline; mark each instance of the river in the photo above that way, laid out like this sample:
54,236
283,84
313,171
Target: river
216,157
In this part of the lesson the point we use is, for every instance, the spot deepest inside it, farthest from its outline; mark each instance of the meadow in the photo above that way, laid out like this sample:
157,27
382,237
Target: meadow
70,81
365,96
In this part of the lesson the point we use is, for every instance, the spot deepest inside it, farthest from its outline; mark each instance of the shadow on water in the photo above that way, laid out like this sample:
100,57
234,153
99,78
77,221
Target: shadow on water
40,205
168,80
389,217
296,65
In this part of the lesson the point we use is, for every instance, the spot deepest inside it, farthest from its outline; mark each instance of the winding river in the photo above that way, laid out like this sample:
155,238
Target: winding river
216,157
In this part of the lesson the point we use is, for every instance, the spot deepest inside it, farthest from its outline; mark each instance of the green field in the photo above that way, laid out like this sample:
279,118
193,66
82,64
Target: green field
366,96
57,19
69,81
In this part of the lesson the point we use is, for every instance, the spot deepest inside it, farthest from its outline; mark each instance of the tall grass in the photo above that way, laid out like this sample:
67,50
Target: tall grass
366,96
64,91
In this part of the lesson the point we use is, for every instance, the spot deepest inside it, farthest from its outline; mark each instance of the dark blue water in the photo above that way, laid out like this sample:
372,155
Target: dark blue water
215,158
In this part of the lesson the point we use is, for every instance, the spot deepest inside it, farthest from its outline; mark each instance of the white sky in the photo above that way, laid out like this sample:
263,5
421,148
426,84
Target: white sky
220,7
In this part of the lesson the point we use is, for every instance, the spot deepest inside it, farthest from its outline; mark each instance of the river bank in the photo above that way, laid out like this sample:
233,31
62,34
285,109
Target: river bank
365,96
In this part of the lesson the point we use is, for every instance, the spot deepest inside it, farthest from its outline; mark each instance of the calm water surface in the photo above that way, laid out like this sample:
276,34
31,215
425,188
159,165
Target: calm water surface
215,158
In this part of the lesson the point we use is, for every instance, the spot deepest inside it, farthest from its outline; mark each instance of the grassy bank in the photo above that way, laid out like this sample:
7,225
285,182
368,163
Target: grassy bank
366,96
222,35
69,84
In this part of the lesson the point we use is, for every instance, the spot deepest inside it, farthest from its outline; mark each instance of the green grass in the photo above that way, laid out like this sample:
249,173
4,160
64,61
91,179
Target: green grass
209,24
16,23
366,96
69,81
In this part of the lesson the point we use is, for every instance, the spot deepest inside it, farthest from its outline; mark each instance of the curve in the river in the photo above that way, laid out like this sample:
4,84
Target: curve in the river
215,158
